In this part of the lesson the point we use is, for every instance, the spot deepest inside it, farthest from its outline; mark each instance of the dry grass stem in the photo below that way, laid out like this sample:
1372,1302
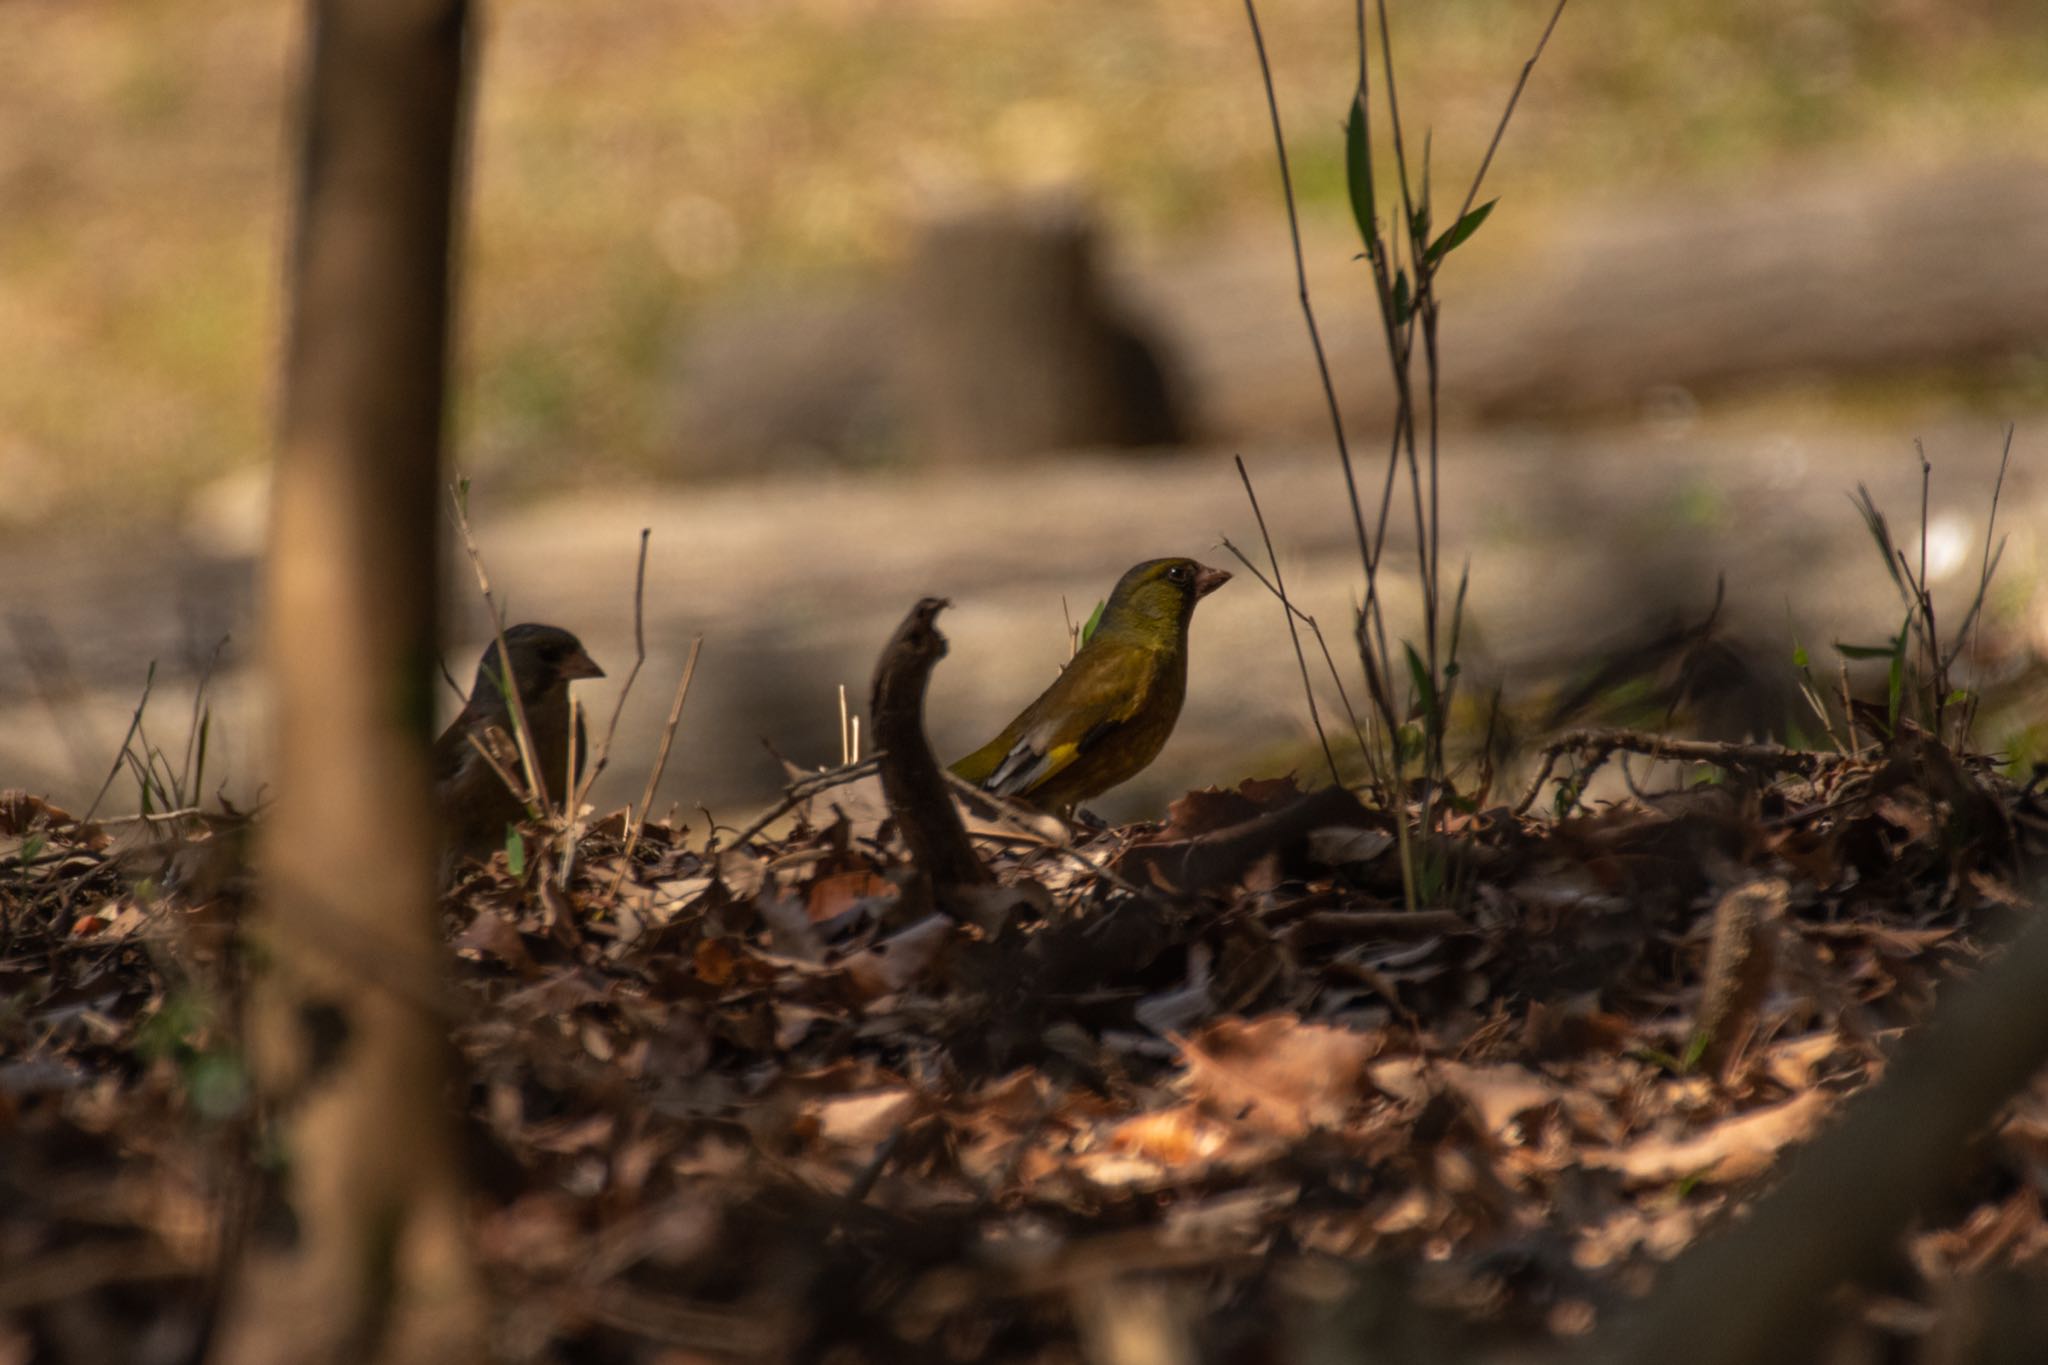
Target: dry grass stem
601,756
522,731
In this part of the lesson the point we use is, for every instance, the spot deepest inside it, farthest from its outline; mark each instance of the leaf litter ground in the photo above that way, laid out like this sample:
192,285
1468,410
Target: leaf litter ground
1207,1077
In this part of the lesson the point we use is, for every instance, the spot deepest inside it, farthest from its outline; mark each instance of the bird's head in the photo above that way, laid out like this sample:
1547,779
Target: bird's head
1158,597
542,658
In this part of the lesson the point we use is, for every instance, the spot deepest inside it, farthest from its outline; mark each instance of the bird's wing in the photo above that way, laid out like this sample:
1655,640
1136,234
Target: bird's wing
1100,690
452,751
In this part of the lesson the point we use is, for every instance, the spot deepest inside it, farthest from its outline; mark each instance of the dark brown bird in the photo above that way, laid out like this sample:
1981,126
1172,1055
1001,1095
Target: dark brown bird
475,804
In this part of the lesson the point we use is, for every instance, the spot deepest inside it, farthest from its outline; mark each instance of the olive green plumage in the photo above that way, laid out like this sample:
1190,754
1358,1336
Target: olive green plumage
1109,713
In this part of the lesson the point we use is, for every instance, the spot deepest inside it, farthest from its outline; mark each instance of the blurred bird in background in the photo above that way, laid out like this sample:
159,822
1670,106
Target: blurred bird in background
475,804
1109,713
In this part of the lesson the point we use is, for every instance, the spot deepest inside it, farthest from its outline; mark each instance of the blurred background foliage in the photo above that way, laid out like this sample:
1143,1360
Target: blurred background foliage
636,160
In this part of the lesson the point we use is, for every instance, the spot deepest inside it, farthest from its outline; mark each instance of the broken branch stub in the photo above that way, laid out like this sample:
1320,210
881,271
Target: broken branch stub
911,781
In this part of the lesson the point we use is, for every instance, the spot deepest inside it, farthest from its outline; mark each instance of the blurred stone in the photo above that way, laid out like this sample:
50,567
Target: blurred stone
1015,345
1000,337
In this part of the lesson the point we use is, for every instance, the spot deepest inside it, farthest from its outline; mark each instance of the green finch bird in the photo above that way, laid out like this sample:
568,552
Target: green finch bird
1109,713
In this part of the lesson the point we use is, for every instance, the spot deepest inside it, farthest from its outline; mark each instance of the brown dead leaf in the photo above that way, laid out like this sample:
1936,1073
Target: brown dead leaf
1339,846
553,995
863,1120
900,959
1171,1137
835,893
1278,1074
491,935
540,1232
714,961
1497,1094
1212,808
1734,1149
1229,1221
1793,1062
23,813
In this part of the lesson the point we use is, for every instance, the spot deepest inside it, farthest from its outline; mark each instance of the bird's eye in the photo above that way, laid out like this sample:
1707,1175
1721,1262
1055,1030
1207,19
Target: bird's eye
1179,574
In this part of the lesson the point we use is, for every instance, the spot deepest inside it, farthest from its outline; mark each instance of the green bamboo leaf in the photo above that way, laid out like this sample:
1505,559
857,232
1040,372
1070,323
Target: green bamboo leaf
1358,175
1455,235
1695,1050
1425,690
1094,620
1401,300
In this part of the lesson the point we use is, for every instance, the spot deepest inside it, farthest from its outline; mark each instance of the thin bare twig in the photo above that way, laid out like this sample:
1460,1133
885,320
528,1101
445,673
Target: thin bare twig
796,793
1007,815
1514,97
522,732
1329,661
1597,745
1293,631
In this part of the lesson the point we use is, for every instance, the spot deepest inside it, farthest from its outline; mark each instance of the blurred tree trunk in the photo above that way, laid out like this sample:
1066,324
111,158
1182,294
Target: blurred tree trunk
363,1254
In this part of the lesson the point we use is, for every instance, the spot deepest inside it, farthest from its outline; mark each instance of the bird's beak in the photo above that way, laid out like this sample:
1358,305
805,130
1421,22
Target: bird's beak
1207,580
580,665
